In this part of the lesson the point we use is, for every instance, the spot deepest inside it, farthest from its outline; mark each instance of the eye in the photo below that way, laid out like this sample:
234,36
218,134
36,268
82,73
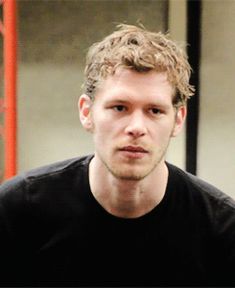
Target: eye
155,111
119,108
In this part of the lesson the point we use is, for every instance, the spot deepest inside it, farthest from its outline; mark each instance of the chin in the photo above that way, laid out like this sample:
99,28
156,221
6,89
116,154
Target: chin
131,177
130,174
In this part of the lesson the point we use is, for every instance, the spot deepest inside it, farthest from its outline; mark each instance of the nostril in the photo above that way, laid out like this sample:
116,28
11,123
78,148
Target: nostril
135,131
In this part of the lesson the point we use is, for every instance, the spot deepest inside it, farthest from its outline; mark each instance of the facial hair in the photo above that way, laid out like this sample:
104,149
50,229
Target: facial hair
123,174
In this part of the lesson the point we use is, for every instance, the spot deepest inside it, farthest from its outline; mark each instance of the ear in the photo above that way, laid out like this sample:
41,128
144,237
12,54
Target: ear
180,117
84,107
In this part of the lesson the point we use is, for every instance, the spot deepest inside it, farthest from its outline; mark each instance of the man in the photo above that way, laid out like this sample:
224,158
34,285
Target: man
123,216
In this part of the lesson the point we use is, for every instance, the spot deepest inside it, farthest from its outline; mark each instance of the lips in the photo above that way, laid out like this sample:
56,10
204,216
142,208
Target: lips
133,149
132,152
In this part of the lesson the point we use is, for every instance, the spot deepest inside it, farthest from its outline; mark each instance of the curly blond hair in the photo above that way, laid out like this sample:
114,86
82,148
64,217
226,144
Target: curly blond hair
141,50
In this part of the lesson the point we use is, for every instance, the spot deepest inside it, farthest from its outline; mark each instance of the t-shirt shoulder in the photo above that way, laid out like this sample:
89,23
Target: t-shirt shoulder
202,187
46,171
57,168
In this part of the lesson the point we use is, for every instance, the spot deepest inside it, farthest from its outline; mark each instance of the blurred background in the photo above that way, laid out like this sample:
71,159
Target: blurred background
53,38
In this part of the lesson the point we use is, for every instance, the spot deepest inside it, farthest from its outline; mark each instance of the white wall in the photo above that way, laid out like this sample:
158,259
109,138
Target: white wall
177,30
216,157
48,123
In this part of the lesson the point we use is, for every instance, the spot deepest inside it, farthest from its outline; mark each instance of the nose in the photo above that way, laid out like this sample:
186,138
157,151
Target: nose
136,126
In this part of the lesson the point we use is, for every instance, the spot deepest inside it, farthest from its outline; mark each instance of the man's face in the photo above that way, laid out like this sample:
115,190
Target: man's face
132,120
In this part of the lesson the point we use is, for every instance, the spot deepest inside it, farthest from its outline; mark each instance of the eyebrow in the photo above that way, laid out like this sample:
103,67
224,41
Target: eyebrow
150,104
118,100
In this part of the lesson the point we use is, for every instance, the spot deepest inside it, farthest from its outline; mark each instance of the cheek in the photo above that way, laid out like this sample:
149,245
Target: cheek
163,131
103,125
102,131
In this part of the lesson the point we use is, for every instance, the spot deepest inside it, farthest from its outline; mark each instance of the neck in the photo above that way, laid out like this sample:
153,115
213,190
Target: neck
127,198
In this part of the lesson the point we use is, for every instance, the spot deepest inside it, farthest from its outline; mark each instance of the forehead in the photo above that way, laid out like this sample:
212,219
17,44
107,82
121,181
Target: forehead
127,83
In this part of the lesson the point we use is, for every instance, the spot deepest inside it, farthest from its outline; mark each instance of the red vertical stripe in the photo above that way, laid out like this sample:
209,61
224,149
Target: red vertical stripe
10,66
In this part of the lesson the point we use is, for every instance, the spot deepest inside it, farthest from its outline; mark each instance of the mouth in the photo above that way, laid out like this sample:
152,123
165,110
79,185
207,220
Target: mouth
134,149
135,152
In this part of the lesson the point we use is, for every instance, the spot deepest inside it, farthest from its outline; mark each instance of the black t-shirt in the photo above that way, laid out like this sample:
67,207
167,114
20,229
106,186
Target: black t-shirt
54,233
